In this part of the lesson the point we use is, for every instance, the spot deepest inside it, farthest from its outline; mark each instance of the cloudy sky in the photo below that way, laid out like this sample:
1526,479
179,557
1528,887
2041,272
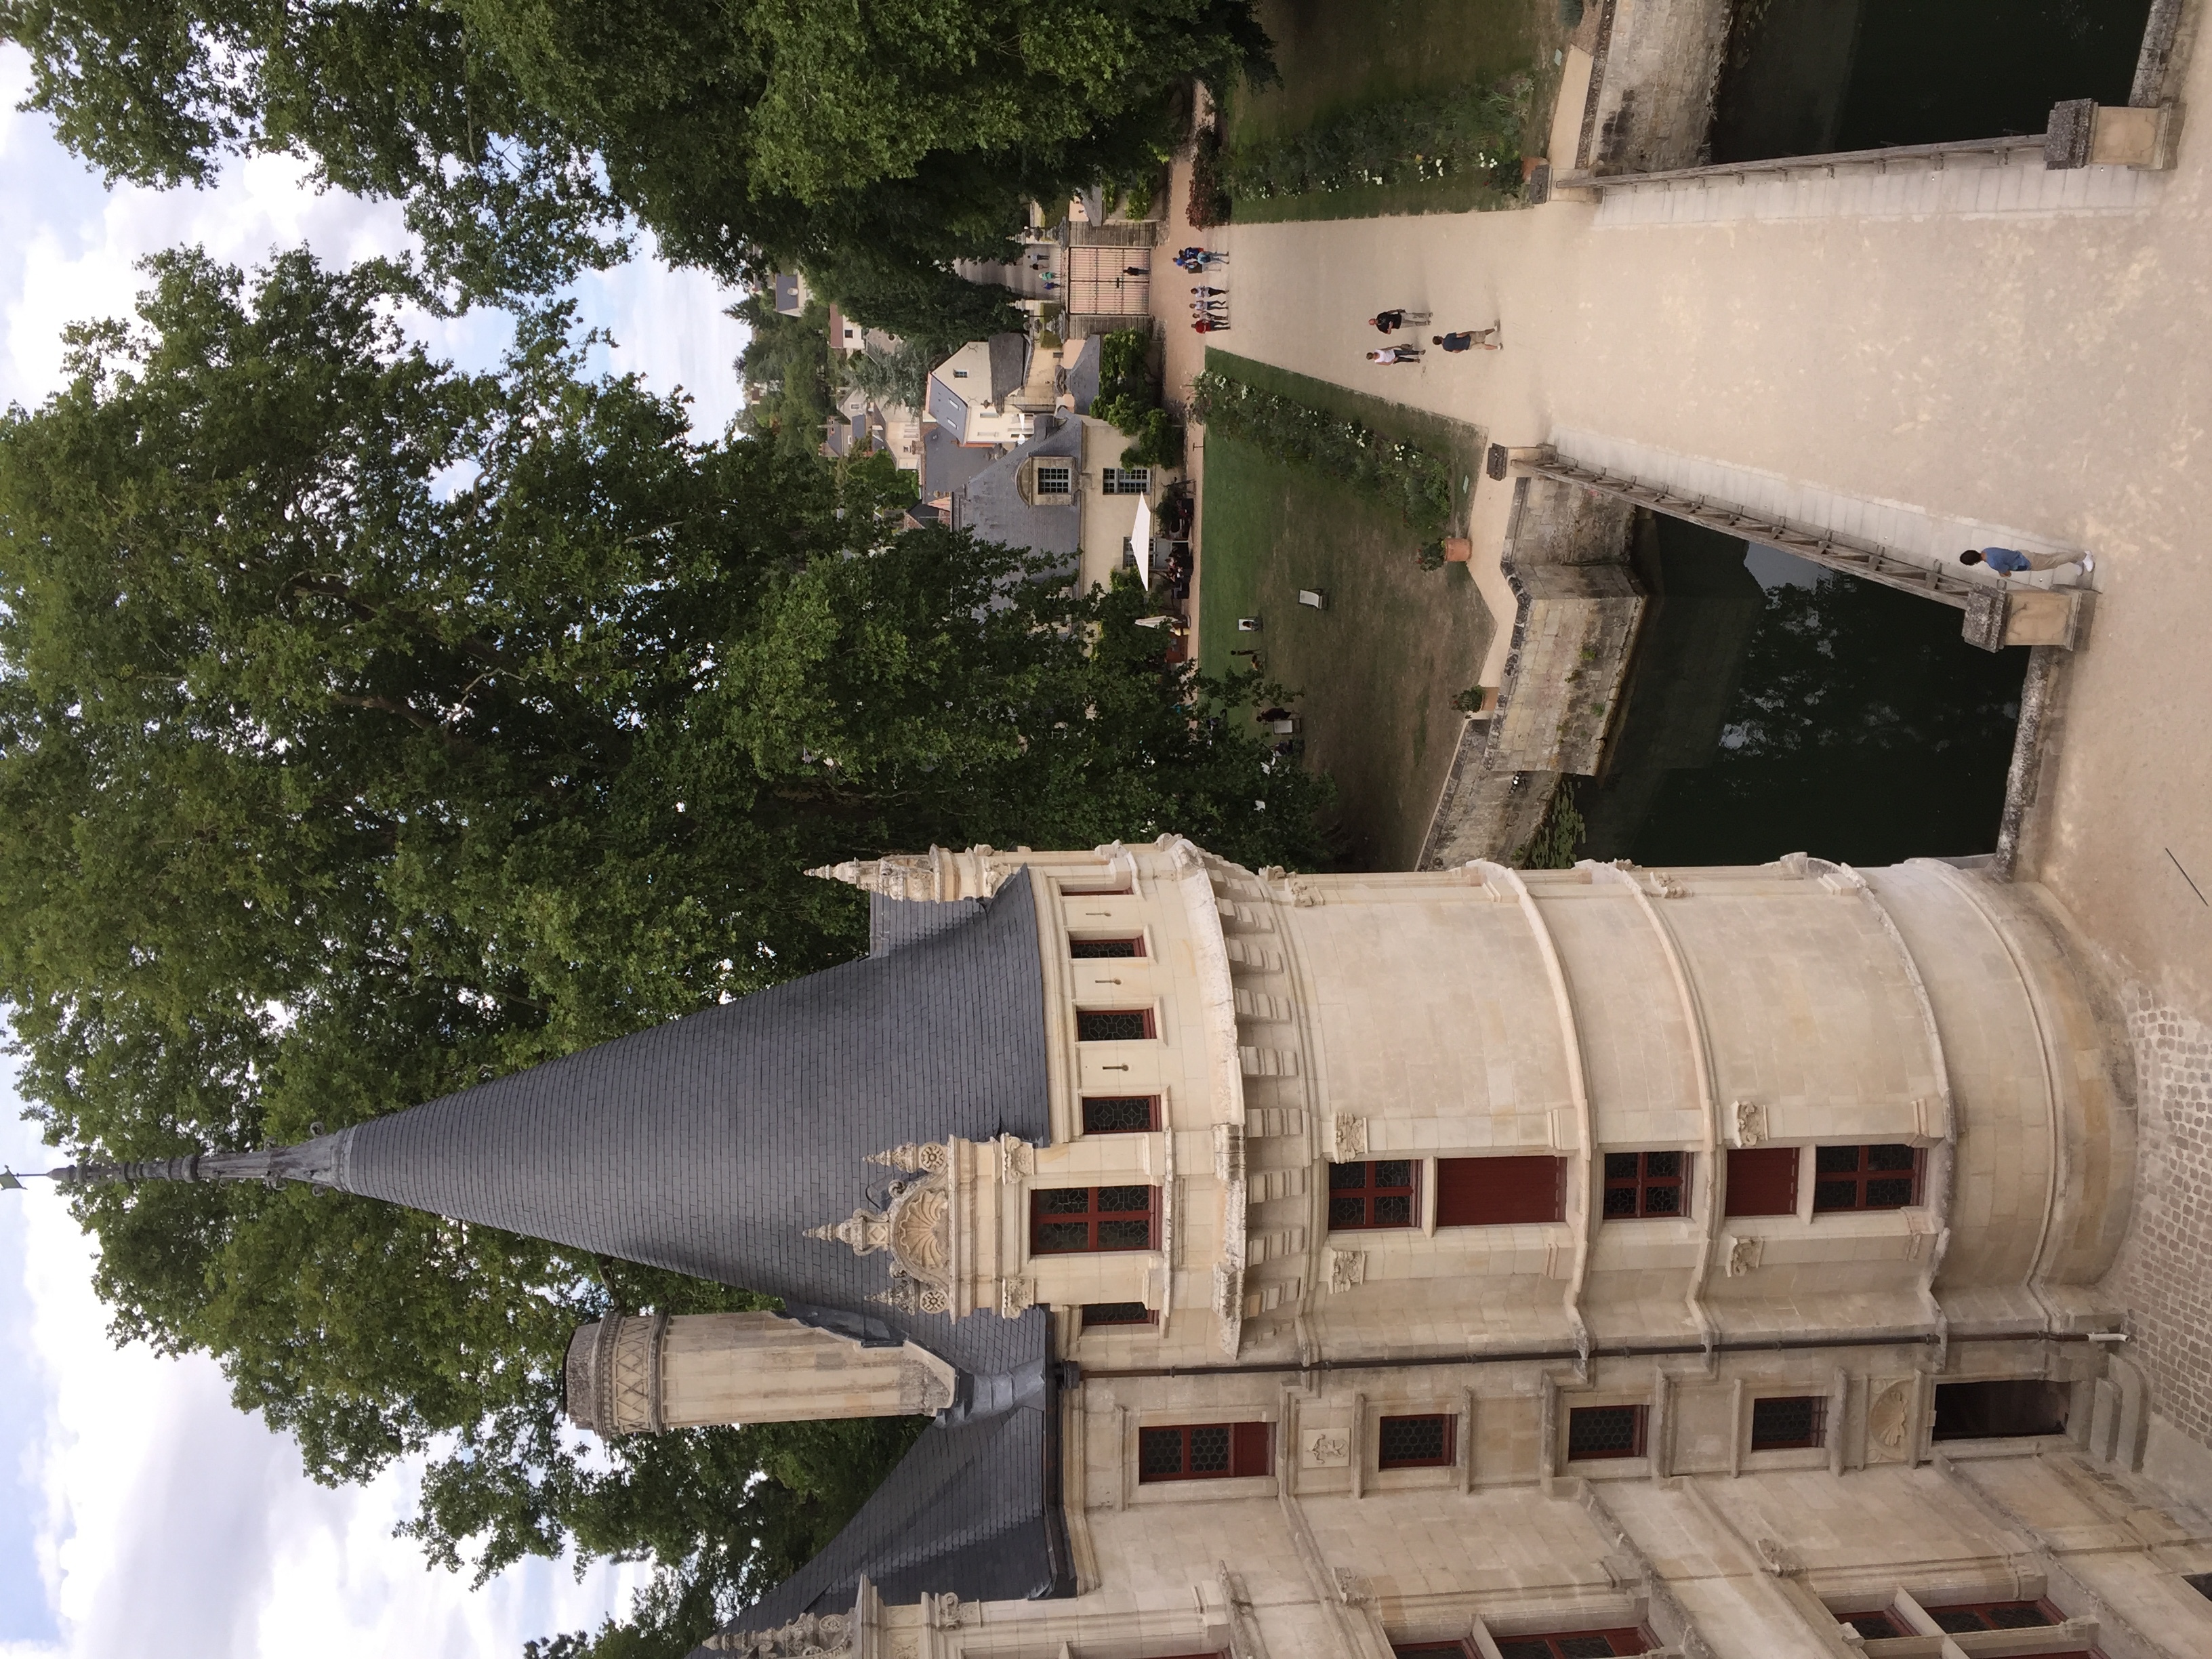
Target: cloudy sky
139,1512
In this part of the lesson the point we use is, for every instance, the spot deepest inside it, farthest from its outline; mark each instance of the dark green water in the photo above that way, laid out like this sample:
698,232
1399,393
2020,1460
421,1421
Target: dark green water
1772,707
1807,76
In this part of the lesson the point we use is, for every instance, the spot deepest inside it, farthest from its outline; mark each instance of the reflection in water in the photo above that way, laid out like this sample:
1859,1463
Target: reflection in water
1773,707
1806,76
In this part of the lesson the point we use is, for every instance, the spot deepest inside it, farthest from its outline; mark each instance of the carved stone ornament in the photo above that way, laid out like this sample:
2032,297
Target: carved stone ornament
922,1391
807,1637
866,1229
1017,1159
911,1295
1346,1268
1350,1134
1352,1588
1325,1450
1016,1297
1743,1255
1750,1123
932,1157
943,1611
1888,1413
916,1232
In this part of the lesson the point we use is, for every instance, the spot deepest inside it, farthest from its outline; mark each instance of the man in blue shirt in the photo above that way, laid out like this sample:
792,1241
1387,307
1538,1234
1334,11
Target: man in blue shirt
2011,562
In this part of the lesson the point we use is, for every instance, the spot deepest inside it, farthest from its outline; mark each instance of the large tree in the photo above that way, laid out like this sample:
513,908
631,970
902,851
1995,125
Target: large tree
847,138
369,728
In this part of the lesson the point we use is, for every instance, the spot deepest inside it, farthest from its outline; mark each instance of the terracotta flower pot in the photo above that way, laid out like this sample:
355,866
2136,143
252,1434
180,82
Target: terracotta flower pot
1458,549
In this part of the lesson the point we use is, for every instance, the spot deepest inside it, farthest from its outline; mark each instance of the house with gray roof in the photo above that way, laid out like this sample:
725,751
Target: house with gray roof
971,393
1028,497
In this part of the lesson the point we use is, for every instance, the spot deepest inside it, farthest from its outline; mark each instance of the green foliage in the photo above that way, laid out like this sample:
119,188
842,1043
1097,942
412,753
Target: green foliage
1417,483
1430,557
925,304
1209,200
369,729
1125,363
1556,834
521,133
1130,398
1408,141
898,374
787,363
1159,442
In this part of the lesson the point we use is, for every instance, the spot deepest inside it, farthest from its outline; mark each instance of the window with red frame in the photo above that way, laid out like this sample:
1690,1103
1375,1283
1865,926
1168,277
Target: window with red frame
1414,1443
1604,1431
1876,1627
1097,947
1098,1316
1881,1178
1113,1025
1978,1616
1065,1219
1204,1451
1646,1184
1381,1194
1786,1422
1972,1619
1573,1644
1431,1650
1120,1114
1762,1180
1497,1191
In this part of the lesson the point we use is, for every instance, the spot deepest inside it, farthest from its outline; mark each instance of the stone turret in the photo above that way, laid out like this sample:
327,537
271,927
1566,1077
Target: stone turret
629,1374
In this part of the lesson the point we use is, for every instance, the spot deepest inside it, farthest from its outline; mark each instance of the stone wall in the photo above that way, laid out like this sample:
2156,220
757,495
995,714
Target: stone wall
1577,609
1570,655
1653,101
2165,1272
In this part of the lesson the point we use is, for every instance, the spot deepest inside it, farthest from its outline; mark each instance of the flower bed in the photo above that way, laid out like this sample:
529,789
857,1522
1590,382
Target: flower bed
1411,141
1417,483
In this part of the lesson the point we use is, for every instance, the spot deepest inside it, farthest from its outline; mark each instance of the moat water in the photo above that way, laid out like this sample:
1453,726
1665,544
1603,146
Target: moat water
1772,706
1807,76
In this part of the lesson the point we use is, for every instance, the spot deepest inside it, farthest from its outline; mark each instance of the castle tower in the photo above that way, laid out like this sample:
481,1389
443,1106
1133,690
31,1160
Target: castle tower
1338,1266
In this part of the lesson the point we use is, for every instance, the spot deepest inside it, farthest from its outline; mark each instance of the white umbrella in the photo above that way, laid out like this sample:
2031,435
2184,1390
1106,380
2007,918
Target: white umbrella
1141,537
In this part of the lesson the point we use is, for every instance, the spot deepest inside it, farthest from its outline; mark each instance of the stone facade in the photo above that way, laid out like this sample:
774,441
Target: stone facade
1224,1040
2165,1276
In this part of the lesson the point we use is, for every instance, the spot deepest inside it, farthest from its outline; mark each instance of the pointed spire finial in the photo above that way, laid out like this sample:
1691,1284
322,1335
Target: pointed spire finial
320,1163
901,876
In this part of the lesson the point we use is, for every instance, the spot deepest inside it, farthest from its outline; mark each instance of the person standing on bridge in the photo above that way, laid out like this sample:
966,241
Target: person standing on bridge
1468,339
2011,562
1398,354
1389,322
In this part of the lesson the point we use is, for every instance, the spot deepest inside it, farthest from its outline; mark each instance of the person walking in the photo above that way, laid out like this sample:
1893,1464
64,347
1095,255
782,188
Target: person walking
2011,562
1469,339
1205,293
1389,322
1397,354
1210,325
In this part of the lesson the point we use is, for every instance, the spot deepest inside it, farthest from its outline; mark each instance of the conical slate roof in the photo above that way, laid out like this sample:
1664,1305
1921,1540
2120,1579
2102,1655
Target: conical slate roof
712,1143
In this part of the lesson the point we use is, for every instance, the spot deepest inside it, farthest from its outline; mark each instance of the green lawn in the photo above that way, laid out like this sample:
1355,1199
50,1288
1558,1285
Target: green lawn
1334,56
1376,671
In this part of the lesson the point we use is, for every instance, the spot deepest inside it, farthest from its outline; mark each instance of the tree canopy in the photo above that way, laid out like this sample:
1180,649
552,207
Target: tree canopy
369,728
871,145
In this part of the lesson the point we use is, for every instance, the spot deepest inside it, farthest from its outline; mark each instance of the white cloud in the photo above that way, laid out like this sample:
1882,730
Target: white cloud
167,1520
69,248
160,1518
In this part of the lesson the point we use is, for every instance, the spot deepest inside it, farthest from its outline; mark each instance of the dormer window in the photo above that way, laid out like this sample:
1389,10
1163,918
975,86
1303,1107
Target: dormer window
1048,481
